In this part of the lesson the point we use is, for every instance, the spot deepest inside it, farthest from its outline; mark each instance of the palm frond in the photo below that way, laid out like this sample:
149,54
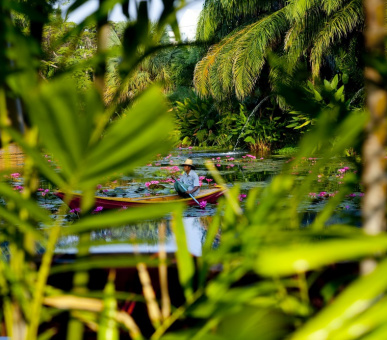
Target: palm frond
338,27
331,6
297,9
202,68
229,14
299,38
252,48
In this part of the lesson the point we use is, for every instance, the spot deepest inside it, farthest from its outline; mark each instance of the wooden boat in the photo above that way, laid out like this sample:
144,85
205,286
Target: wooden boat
210,195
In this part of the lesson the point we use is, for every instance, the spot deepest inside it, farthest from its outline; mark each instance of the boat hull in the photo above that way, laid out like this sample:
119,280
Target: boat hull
208,195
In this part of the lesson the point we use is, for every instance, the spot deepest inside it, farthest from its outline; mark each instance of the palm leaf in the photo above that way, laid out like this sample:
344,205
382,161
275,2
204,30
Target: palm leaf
337,28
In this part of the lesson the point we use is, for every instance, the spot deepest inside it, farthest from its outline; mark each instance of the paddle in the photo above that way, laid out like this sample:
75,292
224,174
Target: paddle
186,190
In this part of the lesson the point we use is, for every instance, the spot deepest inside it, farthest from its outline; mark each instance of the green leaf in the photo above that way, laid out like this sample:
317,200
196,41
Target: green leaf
327,85
334,82
249,139
299,258
357,298
118,218
304,124
185,263
339,93
317,96
66,124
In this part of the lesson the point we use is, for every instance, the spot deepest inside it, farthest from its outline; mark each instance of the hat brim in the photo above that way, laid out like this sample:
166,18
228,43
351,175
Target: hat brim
192,166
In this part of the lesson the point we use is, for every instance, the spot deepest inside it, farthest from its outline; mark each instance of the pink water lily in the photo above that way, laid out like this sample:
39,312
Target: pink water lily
98,209
202,204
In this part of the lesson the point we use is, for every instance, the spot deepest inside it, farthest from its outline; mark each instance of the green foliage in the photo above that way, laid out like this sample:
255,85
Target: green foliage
267,268
299,30
196,119
325,95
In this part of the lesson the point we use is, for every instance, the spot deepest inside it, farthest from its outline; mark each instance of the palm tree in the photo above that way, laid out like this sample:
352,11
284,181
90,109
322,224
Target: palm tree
301,30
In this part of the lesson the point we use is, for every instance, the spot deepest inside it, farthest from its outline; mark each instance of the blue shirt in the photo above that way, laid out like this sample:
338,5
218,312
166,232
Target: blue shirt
190,181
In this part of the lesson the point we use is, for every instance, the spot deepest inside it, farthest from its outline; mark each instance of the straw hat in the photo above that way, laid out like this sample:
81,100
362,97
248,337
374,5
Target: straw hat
188,162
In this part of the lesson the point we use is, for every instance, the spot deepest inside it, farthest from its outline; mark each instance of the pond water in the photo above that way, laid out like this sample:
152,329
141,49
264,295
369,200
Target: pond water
236,168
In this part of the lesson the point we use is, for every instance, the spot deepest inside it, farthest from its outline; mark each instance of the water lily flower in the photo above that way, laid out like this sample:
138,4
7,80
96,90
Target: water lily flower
99,186
76,210
202,204
98,209
217,157
242,196
15,175
209,180
218,165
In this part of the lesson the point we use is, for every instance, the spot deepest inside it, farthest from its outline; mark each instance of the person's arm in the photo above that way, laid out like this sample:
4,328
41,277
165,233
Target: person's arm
193,190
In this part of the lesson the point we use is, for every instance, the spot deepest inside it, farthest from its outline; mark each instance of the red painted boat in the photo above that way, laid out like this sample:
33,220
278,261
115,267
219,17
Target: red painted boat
210,195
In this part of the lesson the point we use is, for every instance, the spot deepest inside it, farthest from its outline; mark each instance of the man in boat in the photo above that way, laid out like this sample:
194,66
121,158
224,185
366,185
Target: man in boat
190,180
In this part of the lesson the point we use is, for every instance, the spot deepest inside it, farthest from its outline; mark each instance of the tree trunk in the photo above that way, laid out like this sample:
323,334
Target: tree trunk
374,154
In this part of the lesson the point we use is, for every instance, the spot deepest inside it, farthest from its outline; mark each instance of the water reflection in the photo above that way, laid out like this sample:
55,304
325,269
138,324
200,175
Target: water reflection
140,238
11,156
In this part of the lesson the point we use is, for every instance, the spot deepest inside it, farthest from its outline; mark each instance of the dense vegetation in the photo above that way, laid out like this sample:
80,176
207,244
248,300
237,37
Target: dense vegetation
85,95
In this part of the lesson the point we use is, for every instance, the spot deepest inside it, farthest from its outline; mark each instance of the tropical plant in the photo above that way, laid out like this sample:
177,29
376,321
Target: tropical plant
196,121
325,95
73,126
269,278
301,30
